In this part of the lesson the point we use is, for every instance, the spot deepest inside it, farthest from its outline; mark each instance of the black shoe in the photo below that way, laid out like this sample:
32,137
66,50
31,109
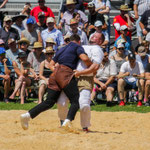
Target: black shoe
147,104
6,100
108,104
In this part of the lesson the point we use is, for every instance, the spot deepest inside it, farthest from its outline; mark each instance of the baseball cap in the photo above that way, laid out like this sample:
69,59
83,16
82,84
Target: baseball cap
41,14
120,45
141,51
30,21
98,23
91,4
11,41
2,50
131,56
7,18
1,41
50,19
124,27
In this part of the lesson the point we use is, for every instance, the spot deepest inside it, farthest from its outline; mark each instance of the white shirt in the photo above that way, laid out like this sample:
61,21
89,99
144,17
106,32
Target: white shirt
95,54
138,69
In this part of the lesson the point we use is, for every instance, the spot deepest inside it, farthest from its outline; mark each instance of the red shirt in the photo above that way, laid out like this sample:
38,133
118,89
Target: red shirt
121,21
48,12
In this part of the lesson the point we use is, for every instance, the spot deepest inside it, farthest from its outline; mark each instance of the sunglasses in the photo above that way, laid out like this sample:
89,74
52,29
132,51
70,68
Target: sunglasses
23,43
121,48
50,54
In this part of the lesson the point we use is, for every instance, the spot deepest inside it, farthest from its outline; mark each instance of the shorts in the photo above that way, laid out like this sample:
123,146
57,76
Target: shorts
130,85
43,82
113,85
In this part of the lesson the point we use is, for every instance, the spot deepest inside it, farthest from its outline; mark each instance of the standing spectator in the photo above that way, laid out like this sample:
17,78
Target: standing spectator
18,23
140,6
68,15
145,22
22,70
35,11
23,44
5,70
105,79
45,72
41,25
75,30
53,33
78,6
36,57
93,17
26,11
8,32
128,74
31,33
123,19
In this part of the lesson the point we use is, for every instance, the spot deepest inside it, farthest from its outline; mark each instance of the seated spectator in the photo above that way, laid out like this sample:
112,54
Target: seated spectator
120,56
31,33
18,23
8,32
26,11
5,70
105,79
23,44
2,44
53,33
41,25
36,57
22,70
123,19
68,15
13,51
127,40
77,17
93,17
145,43
41,8
45,72
50,42
143,56
127,79
75,30
147,86
78,6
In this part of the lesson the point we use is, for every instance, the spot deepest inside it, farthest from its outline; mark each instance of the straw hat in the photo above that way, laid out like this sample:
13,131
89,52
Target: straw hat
24,40
73,21
69,2
141,51
49,50
50,40
125,8
37,45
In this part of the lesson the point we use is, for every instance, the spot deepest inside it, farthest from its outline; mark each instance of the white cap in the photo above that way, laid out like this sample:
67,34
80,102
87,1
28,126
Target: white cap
124,27
120,45
98,23
148,37
50,19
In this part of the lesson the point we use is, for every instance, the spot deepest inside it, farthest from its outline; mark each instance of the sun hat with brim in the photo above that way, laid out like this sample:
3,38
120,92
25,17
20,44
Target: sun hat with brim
2,50
66,37
125,8
69,2
50,40
91,5
22,55
49,50
141,51
18,16
120,45
73,21
24,40
37,45
7,18
11,40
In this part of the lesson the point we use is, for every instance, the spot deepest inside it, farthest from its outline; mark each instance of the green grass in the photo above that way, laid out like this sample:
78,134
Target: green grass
130,107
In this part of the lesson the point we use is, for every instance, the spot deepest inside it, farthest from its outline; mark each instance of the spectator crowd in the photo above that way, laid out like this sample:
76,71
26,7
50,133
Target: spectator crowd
30,40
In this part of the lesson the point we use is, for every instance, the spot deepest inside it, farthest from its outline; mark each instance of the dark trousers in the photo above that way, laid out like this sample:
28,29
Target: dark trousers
71,91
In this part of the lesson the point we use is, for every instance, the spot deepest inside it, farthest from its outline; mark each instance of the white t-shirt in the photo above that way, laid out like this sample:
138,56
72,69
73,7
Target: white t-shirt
95,54
138,69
